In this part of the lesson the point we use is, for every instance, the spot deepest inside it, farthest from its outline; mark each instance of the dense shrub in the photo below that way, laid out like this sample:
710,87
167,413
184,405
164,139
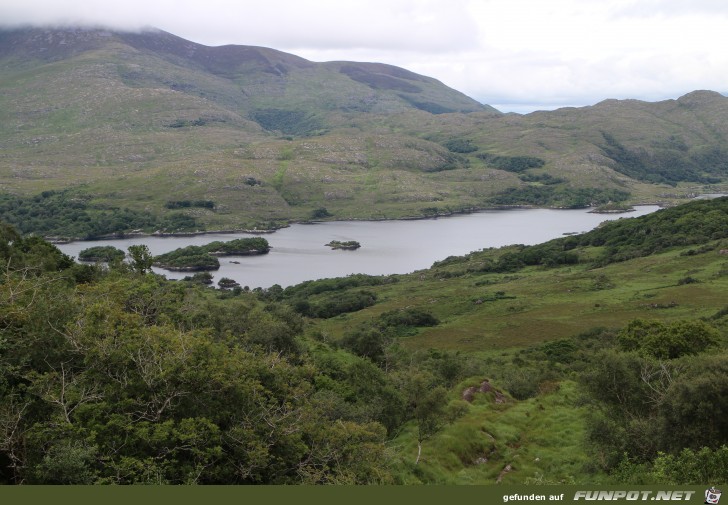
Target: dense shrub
565,197
462,146
670,163
184,204
349,301
667,340
512,163
72,215
410,316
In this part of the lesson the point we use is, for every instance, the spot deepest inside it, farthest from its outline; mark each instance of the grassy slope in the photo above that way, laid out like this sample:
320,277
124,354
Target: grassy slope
550,303
103,120
542,438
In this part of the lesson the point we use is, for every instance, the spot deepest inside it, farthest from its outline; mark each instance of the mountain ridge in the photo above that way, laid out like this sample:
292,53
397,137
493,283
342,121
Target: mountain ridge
228,61
139,119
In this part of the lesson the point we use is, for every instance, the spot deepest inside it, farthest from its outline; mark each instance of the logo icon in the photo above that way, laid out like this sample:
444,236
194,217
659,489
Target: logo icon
712,496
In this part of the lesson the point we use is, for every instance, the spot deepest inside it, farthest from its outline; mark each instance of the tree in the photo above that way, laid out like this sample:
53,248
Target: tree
141,258
366,342
320,213
694,413
227,283
426,401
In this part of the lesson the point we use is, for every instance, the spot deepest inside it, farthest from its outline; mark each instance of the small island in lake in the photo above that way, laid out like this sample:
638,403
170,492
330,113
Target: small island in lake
199,258
350,245
102,254
238,247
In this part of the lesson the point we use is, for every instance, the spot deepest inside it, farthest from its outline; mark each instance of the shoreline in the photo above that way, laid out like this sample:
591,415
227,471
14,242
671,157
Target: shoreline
471,210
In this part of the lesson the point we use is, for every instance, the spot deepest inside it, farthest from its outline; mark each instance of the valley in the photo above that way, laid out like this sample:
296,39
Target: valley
591,355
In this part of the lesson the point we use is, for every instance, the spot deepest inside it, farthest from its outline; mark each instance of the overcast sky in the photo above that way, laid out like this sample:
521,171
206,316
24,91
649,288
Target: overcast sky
517,55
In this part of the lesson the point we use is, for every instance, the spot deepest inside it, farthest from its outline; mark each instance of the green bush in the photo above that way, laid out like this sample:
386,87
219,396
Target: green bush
462,146
667,340
410,316
511,163
320,213
183,204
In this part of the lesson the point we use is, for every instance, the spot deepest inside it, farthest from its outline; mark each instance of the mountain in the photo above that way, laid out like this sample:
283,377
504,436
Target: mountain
152,123
280,91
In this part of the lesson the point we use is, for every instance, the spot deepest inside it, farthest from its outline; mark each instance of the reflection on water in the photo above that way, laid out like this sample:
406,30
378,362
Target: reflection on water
298,252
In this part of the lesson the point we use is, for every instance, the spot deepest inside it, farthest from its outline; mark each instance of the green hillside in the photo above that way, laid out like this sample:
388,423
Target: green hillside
597,358
520,365
134,121
568,399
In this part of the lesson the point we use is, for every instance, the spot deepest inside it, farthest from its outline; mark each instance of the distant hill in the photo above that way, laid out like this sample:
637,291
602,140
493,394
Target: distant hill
254,82
138,121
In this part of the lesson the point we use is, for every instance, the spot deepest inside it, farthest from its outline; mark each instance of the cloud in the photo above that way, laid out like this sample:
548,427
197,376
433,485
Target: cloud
497,51
416,25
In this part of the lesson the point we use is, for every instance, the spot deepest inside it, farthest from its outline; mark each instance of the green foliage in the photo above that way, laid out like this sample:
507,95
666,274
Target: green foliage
70,214
105,254
308,289
462,146
141,258
669,165
667,340
326,298
320,213
522,383
341,303
549,254
176,340
694,411
238,247
366,342
545,179
560,351
185,204
204,278
227,283
693,223
645,407
31,253
691,467
132,379
183,123
177,222
187,258
565,197
204,257
511,163
398,322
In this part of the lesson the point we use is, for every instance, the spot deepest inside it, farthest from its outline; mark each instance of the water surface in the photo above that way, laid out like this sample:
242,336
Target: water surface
388,247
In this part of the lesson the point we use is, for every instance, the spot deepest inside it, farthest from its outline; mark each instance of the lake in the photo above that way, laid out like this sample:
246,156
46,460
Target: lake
387,247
